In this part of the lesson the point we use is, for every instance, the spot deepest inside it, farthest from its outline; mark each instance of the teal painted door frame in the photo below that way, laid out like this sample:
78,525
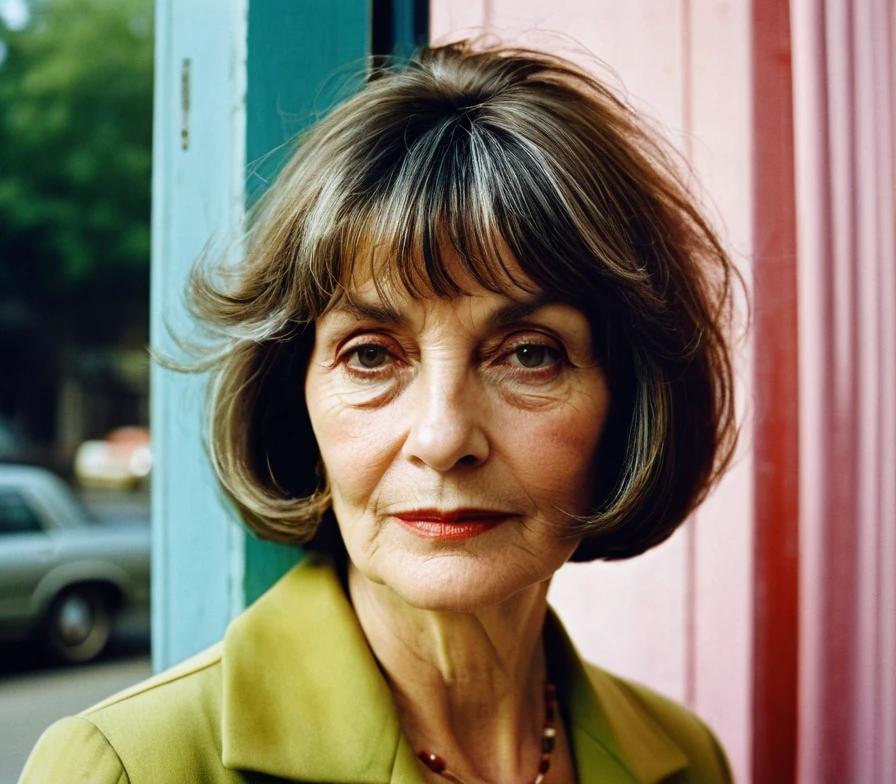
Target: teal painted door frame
235,82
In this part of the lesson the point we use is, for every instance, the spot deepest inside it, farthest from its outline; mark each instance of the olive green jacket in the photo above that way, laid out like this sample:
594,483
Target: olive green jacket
293,693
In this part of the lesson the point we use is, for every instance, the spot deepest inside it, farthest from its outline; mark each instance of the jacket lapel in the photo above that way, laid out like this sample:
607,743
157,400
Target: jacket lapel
613,737
303,696
304,699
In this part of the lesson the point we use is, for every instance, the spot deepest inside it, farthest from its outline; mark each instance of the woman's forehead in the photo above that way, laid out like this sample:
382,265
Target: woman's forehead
384,297
381,275
504,308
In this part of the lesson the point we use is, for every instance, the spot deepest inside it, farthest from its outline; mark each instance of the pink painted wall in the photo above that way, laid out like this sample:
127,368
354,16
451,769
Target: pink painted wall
845,94
678,618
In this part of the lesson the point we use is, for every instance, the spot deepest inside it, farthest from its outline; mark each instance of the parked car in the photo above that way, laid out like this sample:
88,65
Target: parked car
65,577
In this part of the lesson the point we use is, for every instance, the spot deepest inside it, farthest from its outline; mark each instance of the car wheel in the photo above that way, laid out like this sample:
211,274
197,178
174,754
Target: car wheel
78,624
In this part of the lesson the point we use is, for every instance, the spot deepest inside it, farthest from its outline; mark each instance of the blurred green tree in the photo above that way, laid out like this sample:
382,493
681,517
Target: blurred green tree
75,163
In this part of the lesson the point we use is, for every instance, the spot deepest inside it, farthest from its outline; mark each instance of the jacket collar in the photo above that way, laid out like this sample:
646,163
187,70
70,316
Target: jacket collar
613,737
304,699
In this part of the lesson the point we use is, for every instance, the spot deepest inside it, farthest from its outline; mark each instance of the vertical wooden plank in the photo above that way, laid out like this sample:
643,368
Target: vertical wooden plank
719,141
197,195
883,24
301,61
812,134
776,426
868,403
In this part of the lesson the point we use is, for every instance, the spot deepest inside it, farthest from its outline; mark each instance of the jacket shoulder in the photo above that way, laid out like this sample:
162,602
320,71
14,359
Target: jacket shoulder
163,729
73,749
193,675
630,703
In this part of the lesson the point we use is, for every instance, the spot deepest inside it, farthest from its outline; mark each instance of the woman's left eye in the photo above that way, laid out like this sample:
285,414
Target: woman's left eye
534,356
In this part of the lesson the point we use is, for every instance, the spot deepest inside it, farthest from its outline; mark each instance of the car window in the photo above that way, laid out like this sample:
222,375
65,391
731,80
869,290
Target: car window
16,516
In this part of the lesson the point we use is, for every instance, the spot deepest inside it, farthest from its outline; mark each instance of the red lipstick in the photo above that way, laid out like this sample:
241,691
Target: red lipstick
454,524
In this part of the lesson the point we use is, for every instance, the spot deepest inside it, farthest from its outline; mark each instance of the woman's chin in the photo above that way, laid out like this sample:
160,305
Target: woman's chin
451,583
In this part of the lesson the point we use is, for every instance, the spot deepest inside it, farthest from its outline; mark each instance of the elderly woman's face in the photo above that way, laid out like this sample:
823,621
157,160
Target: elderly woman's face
458,436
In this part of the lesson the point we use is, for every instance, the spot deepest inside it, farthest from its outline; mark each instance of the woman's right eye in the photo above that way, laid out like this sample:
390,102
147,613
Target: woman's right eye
368,360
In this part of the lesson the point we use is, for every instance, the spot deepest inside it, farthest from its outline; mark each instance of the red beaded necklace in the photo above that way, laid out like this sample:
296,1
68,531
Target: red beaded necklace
548,740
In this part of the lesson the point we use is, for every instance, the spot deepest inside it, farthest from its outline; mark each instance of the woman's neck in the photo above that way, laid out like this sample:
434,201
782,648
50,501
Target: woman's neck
468,686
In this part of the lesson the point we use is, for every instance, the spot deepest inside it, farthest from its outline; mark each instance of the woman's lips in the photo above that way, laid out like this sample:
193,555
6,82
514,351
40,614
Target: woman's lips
456,524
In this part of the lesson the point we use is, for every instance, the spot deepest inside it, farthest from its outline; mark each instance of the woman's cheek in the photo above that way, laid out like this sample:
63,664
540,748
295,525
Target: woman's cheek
358,449
554,451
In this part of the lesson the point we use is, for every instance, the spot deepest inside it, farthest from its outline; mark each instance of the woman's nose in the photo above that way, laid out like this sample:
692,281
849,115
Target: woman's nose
446,415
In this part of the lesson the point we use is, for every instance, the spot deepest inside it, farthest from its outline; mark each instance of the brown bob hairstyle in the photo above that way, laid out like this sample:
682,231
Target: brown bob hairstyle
476,148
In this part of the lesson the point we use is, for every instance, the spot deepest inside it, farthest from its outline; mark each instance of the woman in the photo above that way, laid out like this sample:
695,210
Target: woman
479,331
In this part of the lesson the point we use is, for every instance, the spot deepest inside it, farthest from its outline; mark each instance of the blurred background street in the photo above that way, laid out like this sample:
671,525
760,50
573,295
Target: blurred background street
36,690
76,82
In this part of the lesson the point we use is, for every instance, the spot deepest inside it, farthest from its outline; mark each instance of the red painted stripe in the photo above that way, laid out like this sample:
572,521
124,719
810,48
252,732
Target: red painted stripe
776,481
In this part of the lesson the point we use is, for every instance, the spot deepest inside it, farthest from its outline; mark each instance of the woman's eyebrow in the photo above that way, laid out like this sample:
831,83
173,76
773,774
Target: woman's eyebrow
370,311
516,311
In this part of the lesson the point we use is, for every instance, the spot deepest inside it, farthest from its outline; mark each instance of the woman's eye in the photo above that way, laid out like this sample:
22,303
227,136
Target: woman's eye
368,361
534,356
371,356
